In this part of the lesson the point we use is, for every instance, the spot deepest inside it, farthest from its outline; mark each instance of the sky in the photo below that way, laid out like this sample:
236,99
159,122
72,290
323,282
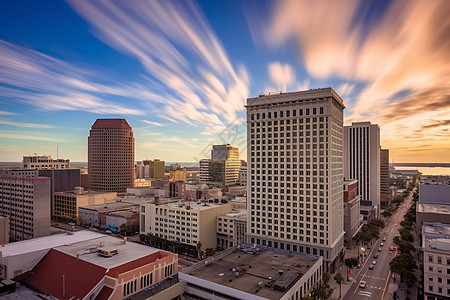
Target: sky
180,71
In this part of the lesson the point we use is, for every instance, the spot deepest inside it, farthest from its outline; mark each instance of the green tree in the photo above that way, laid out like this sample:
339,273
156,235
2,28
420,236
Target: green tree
199,250
403,265
406,235
209,251
339,280
386,213
351,262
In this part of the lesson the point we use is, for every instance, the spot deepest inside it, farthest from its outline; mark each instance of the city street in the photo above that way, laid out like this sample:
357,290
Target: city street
377,279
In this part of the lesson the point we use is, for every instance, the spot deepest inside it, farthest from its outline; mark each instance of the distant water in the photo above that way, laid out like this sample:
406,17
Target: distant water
427,170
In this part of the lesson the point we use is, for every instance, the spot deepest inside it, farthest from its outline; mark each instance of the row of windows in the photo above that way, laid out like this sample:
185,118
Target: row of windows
287,113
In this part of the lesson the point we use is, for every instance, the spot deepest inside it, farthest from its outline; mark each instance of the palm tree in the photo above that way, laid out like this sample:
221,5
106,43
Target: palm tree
199,250
339,280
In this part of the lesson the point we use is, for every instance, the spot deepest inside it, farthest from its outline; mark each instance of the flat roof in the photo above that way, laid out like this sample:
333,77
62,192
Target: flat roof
127,252
433,208
193,204
432,231
48,242
263,266
236,214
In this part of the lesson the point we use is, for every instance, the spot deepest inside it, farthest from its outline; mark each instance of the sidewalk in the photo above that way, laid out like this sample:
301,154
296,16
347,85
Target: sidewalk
343,270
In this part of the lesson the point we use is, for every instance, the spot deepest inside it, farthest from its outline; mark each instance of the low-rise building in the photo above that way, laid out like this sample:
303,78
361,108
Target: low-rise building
186,222
44,162
67,203
94,267
436,260
352,217
253,272
231,229
435,179
237,190
239,203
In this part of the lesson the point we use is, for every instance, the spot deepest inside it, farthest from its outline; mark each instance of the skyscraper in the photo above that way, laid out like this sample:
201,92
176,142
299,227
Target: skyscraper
223,166
385,175
362,162
111,155
295,172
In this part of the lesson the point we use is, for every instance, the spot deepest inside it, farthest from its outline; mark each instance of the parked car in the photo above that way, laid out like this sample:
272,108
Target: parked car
381,244
375,255
362,284
371,267
374,262
391,248
379,249
384,239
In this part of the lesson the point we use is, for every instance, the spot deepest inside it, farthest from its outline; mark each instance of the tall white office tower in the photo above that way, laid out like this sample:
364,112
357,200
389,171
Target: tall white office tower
295,173
362,162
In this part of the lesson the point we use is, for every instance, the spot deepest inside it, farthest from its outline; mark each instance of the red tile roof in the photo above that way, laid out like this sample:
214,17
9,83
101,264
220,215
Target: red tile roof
111,123
104,293
114,272
80,276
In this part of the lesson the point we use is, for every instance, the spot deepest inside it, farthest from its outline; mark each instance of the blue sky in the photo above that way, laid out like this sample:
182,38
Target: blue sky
180,72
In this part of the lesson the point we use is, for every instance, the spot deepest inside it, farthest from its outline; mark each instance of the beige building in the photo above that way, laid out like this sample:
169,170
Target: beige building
4,230
67,203
295,173
44,162
436,260
385,176
231,229
184,222
111,156
26,201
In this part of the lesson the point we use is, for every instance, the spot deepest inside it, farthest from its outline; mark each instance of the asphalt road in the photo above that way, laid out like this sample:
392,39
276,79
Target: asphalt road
377,278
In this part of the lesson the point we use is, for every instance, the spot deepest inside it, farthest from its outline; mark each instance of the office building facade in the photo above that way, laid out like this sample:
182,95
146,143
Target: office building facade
295,173
385,176
44,162
26,201
223,167
362,162
111,155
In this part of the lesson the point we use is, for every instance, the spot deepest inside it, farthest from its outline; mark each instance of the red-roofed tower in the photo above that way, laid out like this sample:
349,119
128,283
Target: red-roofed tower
111,155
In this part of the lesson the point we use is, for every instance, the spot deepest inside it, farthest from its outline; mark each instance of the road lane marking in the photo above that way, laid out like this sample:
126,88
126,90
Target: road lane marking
364,293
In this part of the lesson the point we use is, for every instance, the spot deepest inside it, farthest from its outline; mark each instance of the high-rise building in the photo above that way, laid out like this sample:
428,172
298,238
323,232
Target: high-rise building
223,166
26,201
295,172
362,162
353,219
385,175
111,155
44,162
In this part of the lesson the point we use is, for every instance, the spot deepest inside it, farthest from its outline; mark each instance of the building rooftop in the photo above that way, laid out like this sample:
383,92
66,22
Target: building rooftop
433,208
237,214
193,205
111,123
48,242
127,251
436,236
246,269
299,95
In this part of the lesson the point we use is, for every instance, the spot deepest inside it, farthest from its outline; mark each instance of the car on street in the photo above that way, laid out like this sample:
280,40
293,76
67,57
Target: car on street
384,239
362,284
371,267
391,248
395,225
381,244
379,249
374,262
375,255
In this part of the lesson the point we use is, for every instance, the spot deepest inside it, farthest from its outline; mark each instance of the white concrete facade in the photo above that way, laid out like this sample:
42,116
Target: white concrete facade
44,162
362,161
295,172
231,229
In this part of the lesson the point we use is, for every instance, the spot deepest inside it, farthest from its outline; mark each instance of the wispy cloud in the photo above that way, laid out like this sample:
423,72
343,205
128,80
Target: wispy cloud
52,84
152,123
181,53
24,125
29,137
7,113
281,75
398,56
